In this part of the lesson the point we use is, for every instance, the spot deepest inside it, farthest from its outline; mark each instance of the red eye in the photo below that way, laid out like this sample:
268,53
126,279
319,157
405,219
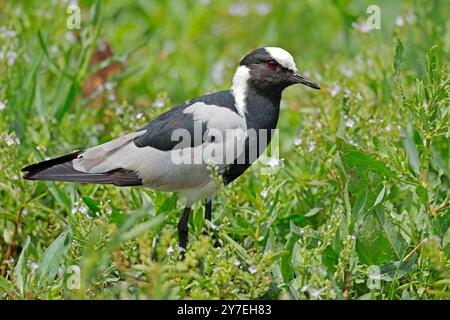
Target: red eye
272,65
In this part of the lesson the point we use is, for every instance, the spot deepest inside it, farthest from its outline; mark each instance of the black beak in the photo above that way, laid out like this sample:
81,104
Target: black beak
298,78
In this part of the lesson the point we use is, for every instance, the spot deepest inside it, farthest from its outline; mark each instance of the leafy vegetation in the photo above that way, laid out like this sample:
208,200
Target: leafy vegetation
359,207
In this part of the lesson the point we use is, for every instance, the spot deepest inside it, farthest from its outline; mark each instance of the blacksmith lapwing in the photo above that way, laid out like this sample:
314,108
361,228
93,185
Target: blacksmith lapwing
179,149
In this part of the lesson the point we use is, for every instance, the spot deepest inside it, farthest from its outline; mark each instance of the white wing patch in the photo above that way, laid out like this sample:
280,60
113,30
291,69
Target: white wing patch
283,57
215,116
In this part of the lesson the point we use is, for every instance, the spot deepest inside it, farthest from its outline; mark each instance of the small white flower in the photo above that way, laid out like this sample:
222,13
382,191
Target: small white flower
3,104
54,49
389,127
252,269
112,97
359,96
169,46
372,120
263,8
216,269
346,71
213,226
410,17
273,162
318,125
11,56
315,293
32,265
263,193
335,91
349,123
159,103
70,37
238,9
236,263
361,26
9,140
170,250
311,146
298,141
102,46
347,92
83,209
140,115
119,110
353,143
399,21
110,85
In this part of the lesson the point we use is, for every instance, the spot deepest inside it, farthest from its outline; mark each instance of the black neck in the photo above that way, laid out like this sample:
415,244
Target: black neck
262,109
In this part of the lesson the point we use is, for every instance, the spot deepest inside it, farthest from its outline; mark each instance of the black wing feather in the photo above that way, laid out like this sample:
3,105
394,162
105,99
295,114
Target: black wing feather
158,133
61,169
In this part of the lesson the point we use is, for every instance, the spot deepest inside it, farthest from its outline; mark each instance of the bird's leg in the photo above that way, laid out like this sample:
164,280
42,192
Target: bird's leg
208,216
183,228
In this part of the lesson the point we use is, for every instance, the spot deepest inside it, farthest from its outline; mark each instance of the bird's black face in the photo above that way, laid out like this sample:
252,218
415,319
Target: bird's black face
272,70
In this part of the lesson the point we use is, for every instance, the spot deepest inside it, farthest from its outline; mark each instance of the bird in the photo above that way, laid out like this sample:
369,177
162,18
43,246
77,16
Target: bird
177,150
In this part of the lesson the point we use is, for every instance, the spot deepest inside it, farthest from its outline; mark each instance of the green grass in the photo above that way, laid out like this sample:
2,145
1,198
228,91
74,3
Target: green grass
360,208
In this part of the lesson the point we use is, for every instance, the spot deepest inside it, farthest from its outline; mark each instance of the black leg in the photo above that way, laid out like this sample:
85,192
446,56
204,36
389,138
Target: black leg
208,209
208,216
183,228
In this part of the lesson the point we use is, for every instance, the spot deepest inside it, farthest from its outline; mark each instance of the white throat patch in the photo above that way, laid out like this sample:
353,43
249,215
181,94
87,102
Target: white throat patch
283,57
239,88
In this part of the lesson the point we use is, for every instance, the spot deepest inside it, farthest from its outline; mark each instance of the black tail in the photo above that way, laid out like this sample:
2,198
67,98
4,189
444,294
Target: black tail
61,169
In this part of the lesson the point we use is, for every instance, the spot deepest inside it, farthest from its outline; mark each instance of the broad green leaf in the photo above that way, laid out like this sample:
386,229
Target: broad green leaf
378,240
352,157
51,258
396,270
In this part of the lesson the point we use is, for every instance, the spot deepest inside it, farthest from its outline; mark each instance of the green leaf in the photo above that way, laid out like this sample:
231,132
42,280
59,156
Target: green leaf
142,228
5,285
312,212
380,197
398,56
61,197
378,240
20,269
422,193
352,157
92,204
50,260
396,270
70,97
